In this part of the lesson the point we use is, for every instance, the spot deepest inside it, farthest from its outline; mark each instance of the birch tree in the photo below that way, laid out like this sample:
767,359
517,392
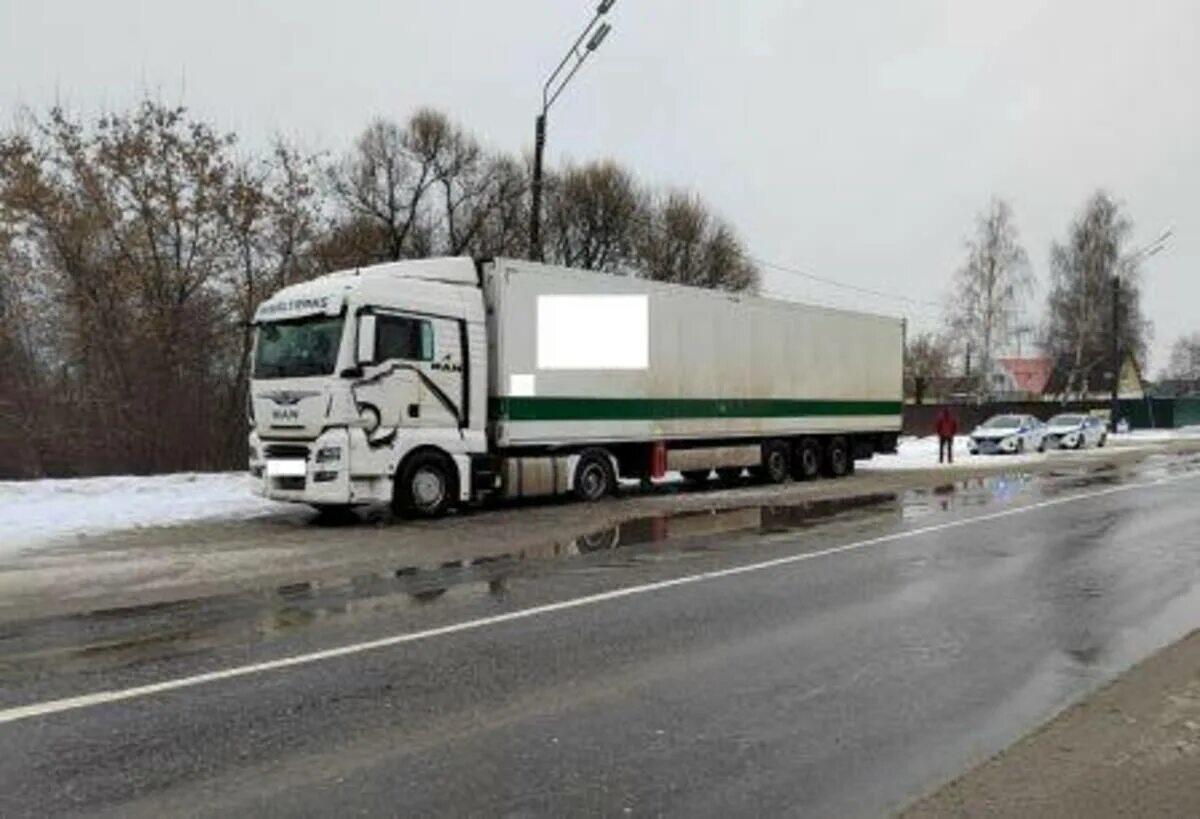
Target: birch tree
990,286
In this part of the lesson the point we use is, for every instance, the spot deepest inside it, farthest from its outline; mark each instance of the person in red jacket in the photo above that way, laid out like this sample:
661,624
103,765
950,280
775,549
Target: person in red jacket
946,427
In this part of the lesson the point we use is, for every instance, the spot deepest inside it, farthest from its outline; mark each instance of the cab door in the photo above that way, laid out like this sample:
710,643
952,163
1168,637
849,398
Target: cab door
424,356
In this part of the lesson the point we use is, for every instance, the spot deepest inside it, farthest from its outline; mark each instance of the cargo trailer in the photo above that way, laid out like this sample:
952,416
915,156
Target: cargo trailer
438,382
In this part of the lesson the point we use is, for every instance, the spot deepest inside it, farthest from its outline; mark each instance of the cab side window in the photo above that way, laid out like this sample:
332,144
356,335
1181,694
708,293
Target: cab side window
402,337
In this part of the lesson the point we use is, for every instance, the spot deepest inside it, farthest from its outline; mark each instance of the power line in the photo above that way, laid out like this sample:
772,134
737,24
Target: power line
844,285
924,304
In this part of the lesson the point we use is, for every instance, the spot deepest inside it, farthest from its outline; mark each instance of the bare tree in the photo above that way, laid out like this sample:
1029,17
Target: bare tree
1078,328
504,228
928,358
271,212
990,285
681,241
1184,363
382,184
130,230
592,215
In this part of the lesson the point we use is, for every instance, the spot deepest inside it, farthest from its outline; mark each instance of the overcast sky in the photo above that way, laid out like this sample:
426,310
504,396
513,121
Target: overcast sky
853,140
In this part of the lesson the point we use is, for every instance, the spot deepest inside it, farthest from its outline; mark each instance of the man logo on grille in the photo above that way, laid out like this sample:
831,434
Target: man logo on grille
288,398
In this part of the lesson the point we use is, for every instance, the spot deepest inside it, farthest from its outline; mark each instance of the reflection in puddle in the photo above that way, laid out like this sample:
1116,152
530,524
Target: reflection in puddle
739,520
133,635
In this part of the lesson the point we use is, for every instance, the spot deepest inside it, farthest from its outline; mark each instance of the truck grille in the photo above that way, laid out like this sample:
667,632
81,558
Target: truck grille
290,484
286,451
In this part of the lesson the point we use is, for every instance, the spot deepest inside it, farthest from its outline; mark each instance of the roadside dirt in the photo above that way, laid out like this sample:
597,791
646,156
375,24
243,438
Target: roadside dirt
162,564
1132,749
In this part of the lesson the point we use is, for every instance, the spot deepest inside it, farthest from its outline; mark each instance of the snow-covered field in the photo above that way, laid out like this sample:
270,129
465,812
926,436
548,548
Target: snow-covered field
34,512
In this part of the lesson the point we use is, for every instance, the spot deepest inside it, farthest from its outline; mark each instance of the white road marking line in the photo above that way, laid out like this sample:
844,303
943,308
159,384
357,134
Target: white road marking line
103,697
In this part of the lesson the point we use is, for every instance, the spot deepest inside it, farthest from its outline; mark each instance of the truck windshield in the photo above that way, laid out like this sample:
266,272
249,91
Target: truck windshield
294,349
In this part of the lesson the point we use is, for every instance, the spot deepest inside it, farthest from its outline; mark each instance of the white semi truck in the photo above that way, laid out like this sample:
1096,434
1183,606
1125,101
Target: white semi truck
434,383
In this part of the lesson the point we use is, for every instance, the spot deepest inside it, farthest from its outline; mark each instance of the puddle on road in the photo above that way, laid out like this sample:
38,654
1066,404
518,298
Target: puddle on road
131,635
136,634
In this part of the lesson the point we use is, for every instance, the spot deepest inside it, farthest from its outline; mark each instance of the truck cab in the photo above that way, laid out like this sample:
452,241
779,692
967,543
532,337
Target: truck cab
367,375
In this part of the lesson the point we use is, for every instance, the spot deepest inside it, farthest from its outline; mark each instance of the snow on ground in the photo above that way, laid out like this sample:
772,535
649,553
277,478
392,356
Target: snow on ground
922,453
35,512
1154,435
918,453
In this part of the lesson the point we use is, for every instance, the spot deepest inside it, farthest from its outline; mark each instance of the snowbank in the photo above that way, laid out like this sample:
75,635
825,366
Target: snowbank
34,512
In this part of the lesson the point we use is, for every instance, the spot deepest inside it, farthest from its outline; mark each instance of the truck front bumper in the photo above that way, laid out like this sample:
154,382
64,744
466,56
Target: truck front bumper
315,472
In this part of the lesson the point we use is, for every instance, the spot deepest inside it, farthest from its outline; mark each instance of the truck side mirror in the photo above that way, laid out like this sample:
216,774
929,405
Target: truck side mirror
366,340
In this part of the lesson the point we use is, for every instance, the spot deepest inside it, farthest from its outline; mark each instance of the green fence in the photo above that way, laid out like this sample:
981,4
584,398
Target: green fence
1161,413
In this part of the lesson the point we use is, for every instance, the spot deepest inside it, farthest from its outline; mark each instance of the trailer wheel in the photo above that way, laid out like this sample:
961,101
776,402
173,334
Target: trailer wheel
425,486
837,458
594,476
696,475
806,463
775,466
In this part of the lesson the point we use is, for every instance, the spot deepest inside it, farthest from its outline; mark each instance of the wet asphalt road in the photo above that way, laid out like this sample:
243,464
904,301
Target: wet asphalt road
841,684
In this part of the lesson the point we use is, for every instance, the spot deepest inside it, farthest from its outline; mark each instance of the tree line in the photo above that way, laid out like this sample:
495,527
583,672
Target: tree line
988,306
136,246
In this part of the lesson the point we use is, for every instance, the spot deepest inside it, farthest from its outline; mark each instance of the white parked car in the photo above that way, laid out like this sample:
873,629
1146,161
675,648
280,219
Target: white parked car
1008,434
1075,432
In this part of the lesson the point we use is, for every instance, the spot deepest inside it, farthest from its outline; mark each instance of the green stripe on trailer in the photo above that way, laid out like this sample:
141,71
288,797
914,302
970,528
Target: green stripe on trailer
558,408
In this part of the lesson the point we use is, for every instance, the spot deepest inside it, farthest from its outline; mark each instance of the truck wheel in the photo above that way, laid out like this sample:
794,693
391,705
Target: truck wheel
594,476
696,475
426,486
837,458
806,463
775,466
729,474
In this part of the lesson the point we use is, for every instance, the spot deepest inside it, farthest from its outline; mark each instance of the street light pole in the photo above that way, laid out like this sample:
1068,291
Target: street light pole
548,98
1126,263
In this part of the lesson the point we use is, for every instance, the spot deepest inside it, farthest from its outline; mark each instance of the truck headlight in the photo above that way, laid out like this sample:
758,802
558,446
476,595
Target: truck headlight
328,454
370,418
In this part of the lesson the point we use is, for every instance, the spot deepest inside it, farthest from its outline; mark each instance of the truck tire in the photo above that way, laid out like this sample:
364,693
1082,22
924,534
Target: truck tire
696,475
806,462
776,465
837,457
594,477
426,485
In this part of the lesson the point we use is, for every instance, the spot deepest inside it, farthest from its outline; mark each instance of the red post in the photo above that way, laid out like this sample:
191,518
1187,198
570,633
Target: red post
658,459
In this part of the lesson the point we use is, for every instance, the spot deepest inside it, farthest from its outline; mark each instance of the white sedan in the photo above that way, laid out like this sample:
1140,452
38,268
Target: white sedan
1075,432
1008,434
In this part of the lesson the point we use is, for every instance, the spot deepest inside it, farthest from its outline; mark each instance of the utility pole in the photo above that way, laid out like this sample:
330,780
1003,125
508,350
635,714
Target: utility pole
1115,403
548,98
1126,263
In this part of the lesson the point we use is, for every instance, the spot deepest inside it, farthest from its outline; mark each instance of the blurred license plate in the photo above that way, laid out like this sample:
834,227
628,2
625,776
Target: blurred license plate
279,469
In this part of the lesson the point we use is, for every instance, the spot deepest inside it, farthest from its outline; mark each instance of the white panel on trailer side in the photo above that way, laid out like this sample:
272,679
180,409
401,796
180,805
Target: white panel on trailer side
719,365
